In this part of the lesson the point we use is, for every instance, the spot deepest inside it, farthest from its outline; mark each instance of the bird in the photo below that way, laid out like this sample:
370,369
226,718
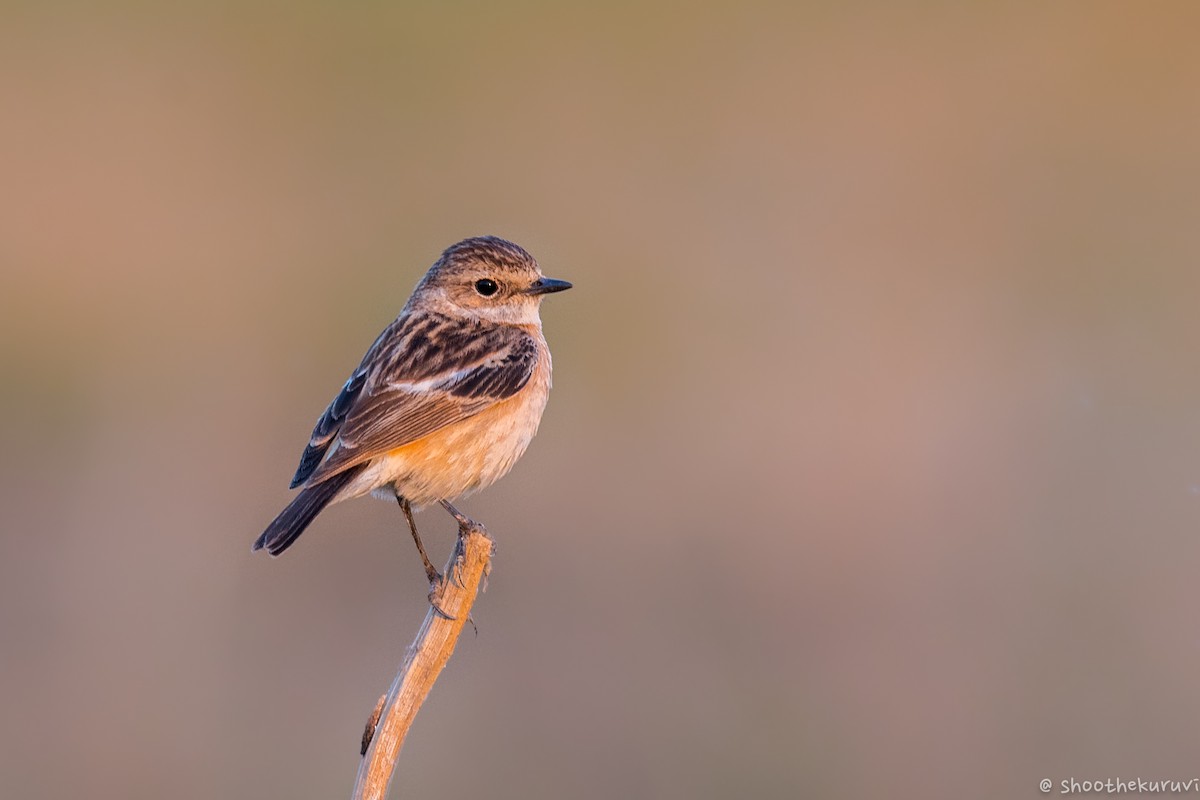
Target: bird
444,402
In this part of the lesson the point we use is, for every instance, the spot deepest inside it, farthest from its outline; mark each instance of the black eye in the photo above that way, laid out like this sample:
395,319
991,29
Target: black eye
486,287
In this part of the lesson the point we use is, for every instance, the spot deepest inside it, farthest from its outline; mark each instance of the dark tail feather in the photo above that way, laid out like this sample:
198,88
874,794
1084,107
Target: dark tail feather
303,509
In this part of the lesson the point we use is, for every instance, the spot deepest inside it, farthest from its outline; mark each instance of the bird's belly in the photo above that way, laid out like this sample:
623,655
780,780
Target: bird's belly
462,457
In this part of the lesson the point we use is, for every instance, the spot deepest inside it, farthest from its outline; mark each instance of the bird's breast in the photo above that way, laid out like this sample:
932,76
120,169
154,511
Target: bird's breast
466,455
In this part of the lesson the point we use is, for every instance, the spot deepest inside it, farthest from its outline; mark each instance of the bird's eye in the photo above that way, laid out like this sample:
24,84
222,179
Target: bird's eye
486,287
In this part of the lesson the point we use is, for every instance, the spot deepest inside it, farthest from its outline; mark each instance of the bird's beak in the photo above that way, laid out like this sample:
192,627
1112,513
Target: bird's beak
547,285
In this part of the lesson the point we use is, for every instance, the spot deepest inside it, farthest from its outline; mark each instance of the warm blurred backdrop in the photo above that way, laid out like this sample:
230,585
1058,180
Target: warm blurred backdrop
873,462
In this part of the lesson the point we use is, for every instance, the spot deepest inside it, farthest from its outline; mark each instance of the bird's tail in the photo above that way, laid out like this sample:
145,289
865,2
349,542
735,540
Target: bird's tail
292,521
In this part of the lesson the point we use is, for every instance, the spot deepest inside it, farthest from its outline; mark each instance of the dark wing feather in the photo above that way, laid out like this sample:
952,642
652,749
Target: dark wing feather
328,426
501,376
422,374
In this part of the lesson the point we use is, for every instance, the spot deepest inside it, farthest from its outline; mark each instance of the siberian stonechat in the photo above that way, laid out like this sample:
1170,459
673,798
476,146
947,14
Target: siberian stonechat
444,402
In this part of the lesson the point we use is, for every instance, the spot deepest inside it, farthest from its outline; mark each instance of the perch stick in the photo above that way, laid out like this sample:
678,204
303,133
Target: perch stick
468,567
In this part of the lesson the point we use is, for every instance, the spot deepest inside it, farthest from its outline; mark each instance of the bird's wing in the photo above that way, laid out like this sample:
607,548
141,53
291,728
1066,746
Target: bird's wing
424,372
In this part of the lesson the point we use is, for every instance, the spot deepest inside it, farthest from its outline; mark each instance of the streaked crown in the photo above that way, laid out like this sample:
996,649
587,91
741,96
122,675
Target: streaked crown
491,251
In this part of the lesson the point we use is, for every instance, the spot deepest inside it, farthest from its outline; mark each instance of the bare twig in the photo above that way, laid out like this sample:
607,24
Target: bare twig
429,652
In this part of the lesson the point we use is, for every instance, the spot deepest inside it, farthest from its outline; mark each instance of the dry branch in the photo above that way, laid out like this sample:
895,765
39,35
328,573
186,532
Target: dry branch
450,606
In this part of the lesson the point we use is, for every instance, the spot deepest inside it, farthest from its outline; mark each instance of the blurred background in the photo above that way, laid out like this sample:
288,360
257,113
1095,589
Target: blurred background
873,460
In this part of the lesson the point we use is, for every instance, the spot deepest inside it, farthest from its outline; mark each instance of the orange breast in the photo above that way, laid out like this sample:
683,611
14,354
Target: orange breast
465,456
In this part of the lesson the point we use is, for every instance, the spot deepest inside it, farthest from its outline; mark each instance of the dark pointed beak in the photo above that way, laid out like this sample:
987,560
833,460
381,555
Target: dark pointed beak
547,285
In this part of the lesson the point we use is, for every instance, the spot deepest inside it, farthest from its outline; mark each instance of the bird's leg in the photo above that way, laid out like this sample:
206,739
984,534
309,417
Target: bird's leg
465,524
430,571
435,577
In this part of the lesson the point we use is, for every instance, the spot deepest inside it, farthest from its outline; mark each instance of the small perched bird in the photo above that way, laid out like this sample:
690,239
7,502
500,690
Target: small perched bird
444,402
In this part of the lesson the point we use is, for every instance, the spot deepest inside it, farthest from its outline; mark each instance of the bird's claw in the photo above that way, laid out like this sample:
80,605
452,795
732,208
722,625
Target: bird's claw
433,601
